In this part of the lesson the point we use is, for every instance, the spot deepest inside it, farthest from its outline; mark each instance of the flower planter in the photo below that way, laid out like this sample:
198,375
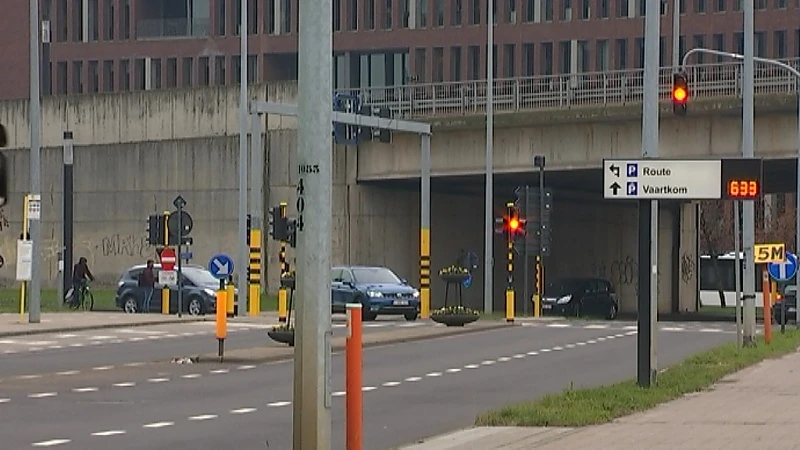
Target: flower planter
454,277
288,283
454,320
284,336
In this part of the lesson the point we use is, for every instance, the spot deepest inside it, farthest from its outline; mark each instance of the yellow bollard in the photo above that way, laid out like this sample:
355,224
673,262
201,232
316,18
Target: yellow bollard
255,301
282,304
164,301
230,299
509,305
774,296
536,309
222,320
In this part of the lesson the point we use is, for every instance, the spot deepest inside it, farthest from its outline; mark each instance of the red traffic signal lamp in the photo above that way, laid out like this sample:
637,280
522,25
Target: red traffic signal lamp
512,223
680,93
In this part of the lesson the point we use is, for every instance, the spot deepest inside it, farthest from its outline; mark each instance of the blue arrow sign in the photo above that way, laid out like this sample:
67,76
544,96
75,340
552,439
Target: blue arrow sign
221,266
785,270
468,281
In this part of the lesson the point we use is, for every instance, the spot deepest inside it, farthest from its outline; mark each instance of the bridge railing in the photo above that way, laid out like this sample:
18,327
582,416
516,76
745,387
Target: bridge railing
621,87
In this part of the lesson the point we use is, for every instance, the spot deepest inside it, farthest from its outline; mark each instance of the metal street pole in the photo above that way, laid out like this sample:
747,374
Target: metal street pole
748,143
676,34
68,201
241,297
312,369
257,194
648,209
488,232
797,213
34,311
738,268
425,227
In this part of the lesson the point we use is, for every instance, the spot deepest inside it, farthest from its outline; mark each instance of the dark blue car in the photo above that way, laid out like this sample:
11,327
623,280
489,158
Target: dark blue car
378,289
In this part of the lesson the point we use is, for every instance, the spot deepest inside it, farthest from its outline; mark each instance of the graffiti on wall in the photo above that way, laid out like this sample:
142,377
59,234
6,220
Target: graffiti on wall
132,245
621,272
687,268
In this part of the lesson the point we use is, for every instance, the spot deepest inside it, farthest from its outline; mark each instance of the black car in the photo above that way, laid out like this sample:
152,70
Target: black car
199,291
788,301
579,297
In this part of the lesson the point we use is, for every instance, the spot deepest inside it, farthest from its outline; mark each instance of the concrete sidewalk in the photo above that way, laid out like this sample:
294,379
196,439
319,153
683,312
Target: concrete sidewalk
760,406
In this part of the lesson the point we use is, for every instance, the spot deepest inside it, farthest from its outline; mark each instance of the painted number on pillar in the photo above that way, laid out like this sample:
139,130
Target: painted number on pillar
301,204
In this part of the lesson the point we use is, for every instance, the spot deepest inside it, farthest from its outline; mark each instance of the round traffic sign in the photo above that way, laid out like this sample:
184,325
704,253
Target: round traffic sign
784,270
168,259
186,223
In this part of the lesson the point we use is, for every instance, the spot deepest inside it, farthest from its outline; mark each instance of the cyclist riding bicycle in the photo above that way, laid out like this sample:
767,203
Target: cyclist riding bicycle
80,275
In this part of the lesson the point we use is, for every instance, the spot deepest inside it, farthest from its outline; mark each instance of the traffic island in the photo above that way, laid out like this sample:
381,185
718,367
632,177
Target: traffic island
582,407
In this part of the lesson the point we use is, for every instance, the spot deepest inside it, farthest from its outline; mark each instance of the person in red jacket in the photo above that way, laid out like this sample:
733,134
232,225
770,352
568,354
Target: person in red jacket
147,282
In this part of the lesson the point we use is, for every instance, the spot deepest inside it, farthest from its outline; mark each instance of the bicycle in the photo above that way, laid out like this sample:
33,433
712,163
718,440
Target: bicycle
86,296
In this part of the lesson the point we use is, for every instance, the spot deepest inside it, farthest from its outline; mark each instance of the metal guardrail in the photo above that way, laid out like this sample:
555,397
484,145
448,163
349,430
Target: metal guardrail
613,88
172,28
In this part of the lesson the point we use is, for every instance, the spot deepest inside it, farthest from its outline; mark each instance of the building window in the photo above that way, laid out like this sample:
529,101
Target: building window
438,64
221,19
108,20
700,6
759,5
623,8
108,76
699,42
139,74
510,60
720,6
188,72
219,70
738,5
738,38
586,9
639,55
475,10
583,56
439,4
125,22
622,54
352,20
369,15
602,56
61,77
780,4
337,15
61,26
77,77
546,53
387,19
76,27
528,61
155,73
204,71
124,75
455,63
237,69
566,10
548,10
474,61
602,9
456,12
565,53
511,11
94,29
252,69
172,72
718,43
760,44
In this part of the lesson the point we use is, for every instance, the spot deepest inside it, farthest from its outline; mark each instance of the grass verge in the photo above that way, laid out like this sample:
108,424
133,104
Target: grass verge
104,300
581,407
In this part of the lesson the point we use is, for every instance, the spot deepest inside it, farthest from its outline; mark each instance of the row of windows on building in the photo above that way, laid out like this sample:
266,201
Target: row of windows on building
544,58
110,20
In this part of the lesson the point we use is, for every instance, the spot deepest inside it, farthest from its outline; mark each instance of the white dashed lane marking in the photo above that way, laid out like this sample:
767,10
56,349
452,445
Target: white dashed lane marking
159,424
203,417
51,442
109,433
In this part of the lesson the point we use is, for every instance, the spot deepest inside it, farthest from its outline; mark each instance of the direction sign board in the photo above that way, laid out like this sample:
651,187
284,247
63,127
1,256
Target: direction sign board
167,277
168,258
661,179
220,266
769,253
785,270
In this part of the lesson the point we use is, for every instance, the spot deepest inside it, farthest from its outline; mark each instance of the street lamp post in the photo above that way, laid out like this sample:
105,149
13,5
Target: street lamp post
796,73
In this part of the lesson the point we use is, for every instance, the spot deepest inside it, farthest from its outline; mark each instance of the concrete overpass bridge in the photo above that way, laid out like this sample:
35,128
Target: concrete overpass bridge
135,151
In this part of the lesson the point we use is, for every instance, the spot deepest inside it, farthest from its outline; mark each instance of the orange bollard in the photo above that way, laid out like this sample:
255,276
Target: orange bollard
353,368
765,290
222,319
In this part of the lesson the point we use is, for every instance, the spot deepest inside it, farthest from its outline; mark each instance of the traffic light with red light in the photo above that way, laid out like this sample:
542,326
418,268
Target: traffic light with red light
680,93
513,224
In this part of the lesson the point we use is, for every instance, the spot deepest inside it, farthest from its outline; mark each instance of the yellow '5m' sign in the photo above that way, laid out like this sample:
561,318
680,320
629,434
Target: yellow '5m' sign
770,253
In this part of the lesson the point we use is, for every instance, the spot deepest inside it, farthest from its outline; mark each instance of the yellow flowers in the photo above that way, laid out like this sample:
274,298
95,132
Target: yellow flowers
455,310
453,270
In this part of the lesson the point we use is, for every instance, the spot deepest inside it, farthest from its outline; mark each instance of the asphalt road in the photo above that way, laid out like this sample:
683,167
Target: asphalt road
412,390
54,352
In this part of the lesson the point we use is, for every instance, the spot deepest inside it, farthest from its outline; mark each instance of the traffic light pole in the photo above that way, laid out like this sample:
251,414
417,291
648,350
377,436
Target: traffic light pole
648,209
35,114
257,214
510,267
747,149
67,196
